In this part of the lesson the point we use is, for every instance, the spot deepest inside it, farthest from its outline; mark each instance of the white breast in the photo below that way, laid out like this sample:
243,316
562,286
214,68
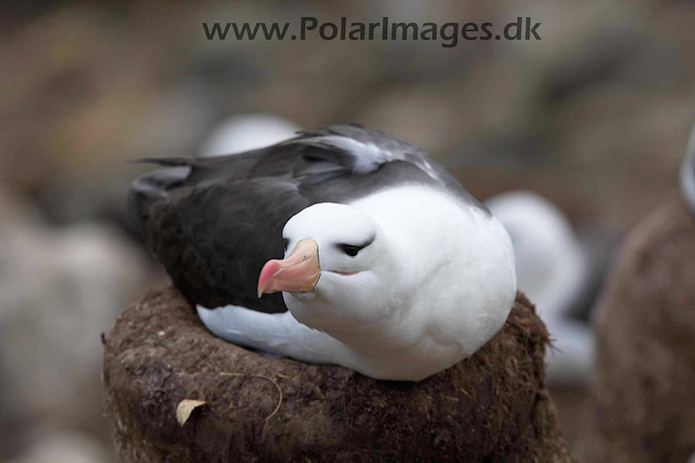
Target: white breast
459,276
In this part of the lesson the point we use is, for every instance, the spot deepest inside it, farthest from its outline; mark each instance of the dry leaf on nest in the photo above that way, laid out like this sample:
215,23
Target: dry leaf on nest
185,408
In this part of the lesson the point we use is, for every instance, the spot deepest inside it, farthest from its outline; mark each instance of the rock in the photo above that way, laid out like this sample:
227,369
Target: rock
60,288
66,447
642,400
493,406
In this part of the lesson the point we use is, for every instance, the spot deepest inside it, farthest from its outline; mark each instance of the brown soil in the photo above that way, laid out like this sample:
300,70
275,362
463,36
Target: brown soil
491,407
643,391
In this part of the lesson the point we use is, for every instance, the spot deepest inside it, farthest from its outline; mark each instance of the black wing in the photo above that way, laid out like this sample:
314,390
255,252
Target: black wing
214,222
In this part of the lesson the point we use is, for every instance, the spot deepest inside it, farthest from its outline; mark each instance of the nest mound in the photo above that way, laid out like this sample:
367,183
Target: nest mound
643,386
493,406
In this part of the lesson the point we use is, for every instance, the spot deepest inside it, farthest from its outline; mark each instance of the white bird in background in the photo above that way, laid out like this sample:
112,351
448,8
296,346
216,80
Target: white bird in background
245,132
553,271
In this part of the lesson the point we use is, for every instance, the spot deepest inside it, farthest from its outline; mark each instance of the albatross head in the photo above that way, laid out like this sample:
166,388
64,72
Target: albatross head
338,270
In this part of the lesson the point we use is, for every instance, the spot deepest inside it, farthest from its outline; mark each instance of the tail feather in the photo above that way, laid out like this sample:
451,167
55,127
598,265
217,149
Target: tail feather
146,189
168,162
688,174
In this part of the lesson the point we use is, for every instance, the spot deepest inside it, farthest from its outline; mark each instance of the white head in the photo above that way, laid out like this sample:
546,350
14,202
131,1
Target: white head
338,273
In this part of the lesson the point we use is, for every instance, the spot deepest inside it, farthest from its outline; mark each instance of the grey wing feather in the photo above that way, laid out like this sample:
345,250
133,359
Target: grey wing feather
365,150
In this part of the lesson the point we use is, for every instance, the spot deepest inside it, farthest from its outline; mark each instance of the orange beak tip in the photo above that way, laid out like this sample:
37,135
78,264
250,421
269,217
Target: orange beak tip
297,272
267,272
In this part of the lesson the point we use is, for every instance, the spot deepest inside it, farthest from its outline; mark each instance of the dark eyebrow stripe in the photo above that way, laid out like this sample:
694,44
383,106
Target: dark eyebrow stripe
363,245
369,241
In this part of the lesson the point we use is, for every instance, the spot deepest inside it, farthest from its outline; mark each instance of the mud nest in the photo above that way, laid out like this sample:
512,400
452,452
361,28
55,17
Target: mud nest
491,407
643,388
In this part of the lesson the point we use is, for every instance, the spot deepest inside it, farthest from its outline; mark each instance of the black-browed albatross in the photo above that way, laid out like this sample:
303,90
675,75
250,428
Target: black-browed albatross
390,267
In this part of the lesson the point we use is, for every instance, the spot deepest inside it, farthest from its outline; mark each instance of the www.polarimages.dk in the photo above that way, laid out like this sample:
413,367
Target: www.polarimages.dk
448,33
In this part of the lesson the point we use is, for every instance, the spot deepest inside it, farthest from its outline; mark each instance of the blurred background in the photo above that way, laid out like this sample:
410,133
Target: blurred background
594,117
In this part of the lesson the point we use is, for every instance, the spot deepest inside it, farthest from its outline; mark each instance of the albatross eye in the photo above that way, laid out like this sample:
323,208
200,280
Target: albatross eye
350,249
285,243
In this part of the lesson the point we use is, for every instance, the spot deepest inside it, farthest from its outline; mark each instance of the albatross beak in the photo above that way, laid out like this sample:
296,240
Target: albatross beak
299,272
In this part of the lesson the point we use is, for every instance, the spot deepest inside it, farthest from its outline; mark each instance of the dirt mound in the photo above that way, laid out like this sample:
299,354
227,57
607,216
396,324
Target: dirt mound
493,406
643,389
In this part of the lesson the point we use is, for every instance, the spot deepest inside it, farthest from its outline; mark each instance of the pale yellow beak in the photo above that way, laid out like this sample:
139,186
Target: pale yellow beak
298,272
